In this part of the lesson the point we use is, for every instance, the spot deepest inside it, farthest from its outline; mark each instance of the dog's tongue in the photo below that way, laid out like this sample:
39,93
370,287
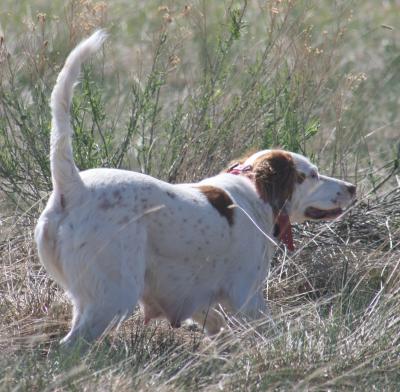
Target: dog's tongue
285,231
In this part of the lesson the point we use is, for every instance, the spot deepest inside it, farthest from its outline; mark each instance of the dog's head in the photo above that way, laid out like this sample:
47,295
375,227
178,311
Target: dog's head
291,184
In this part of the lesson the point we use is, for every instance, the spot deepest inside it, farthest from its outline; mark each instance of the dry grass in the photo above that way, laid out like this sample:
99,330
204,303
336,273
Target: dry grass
334,302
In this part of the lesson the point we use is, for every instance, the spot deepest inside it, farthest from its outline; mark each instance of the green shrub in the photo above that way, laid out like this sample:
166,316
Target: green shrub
232,104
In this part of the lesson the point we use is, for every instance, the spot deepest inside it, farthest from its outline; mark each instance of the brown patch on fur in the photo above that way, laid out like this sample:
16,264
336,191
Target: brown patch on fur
220,200
275,175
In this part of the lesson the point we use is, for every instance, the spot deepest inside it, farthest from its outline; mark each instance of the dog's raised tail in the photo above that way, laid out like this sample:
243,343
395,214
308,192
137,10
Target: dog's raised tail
63,170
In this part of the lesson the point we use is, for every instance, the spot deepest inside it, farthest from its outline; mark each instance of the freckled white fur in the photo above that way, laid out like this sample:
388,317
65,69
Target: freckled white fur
114,238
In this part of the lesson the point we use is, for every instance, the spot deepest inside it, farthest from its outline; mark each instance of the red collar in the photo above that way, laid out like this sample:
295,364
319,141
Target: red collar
238,168
285,230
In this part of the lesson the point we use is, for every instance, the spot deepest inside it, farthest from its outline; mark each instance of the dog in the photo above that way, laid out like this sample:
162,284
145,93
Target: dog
114,238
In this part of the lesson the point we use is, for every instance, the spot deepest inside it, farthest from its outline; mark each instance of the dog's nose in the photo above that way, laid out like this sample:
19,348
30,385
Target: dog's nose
351,189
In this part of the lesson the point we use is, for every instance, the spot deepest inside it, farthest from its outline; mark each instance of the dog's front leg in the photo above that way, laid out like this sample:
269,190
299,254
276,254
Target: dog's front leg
210,319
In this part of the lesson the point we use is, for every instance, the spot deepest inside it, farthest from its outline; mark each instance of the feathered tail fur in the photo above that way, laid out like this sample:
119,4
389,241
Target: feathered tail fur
64,172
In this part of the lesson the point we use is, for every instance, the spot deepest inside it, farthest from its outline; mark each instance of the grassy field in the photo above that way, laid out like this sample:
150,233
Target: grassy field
180,89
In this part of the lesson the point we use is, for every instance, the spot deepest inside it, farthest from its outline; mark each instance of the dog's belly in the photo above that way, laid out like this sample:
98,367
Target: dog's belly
176,288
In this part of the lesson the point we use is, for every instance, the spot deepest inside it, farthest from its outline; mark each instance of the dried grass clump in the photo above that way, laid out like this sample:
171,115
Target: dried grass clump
357,252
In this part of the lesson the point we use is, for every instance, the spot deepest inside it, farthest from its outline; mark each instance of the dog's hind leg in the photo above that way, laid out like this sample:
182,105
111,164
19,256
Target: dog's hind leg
107,289
92,320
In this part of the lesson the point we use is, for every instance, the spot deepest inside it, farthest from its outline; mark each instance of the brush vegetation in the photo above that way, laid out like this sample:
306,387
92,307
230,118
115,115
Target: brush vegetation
181,89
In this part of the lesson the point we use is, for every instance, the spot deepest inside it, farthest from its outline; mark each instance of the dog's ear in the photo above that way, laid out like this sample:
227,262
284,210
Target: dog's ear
275,176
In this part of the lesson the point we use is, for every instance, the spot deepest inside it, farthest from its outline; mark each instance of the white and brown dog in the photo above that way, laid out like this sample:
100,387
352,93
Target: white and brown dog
114,238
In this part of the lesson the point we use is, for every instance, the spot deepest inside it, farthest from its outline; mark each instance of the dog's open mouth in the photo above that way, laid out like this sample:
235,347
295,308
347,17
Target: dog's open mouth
316,213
